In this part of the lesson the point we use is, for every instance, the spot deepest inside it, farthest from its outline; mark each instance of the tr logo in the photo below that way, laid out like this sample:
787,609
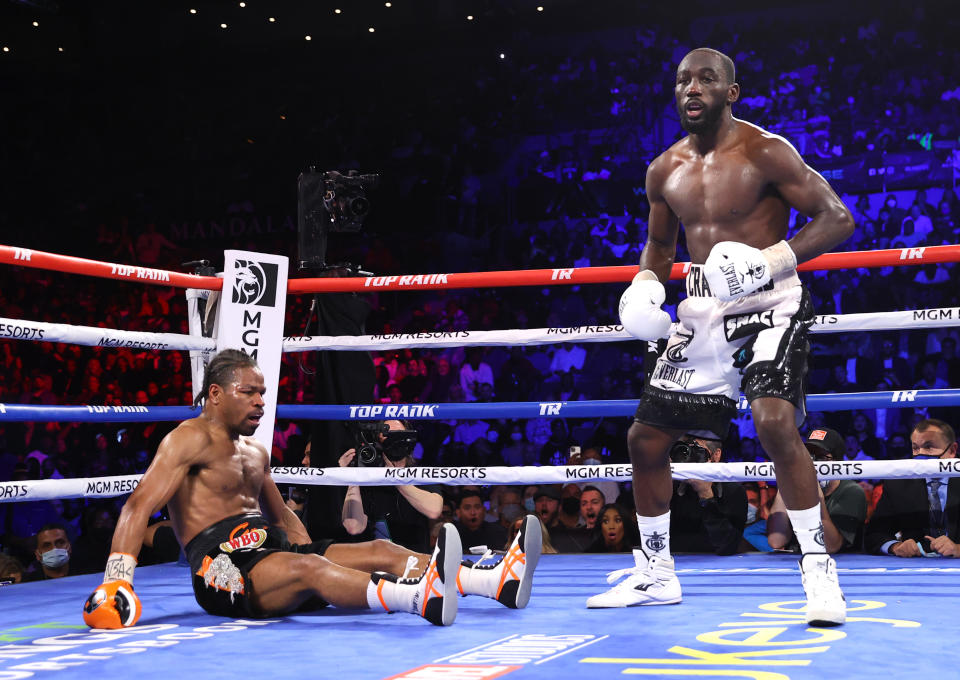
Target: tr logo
256,283
904,395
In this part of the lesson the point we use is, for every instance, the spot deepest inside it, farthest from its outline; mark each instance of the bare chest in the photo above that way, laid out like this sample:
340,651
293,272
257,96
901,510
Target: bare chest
236,469
716,190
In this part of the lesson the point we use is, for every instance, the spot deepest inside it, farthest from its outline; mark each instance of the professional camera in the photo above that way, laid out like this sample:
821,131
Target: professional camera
396,444
688,452
329,202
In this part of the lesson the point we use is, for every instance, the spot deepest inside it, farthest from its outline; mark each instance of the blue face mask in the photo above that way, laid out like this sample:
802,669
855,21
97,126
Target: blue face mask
751,514
55,558
529,504
929,456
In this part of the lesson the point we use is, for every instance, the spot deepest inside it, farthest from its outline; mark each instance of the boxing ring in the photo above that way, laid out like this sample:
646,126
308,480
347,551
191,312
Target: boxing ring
740,617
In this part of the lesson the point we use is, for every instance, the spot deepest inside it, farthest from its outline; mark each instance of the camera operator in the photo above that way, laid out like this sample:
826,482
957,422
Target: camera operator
705,516
401,513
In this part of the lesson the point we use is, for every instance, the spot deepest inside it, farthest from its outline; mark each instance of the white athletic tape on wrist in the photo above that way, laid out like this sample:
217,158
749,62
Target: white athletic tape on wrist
120,567
780,257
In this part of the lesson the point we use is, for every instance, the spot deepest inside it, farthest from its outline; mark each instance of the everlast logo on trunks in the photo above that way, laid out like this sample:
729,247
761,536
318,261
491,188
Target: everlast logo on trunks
256,283
671,374
736,326
248,540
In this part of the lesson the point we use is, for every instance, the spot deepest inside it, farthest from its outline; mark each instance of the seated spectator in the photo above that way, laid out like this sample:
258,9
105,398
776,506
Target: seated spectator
92,547
591,456
556,450
473,372
920,517
517,451
474,529
569,533
52,553
547,504
11,571
843,505
615,531
591,500
546,544
705,516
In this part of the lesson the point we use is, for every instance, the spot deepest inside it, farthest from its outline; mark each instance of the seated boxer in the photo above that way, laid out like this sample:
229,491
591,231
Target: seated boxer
249,554
742,325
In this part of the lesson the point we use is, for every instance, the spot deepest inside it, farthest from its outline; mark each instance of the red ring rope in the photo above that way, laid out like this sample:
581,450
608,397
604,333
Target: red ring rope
530,277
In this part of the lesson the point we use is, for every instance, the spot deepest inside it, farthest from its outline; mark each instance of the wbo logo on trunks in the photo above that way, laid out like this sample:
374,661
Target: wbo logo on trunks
244,540
736,326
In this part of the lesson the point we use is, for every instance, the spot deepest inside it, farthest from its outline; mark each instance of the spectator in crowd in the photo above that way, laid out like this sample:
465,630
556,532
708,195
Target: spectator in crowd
11,571
52,553
474,529
547,504
920,517
474,372
591,500
615,531
843,506
705,516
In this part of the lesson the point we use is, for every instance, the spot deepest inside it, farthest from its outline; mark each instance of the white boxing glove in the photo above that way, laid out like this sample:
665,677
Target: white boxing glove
734,269
640,311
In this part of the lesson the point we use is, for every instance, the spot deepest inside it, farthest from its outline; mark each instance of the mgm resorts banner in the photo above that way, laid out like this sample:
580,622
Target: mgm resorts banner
252,309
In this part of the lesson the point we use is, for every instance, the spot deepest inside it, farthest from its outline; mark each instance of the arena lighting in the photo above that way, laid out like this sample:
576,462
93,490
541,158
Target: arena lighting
36,23
388,4
243,4
59,49
371,29
307,38
193,11
539,9
336,11
6,49
271,20
469,17
223,25
503,56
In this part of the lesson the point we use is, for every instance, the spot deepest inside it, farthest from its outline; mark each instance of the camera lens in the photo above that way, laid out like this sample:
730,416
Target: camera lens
368,456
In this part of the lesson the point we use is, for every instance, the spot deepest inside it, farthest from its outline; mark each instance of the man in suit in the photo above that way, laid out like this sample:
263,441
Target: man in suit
920,517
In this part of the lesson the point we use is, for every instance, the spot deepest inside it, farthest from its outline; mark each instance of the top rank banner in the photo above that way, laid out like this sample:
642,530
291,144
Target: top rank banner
252,309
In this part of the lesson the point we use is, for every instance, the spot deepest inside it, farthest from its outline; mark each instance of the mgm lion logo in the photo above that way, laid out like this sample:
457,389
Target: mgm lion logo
256,283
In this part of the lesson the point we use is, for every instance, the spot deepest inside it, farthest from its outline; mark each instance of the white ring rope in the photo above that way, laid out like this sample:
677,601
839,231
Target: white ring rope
106,487
942,317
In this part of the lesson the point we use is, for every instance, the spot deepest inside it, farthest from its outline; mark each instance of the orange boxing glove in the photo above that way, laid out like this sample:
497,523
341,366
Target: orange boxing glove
112,605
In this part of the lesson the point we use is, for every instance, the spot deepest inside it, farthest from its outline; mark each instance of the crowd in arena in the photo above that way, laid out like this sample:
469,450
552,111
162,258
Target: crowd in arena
543,169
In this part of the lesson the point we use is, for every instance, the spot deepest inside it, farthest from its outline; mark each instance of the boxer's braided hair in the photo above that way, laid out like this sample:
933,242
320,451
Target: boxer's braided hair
221,369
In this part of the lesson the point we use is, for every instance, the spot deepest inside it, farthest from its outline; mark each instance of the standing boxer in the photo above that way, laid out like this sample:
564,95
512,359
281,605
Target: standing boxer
742,326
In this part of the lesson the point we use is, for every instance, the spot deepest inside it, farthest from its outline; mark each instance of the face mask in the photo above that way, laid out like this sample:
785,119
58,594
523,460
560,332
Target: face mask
516,436
890,204
492,435
570,505
529,504
591,461
924,456
751,514
824,483
57,557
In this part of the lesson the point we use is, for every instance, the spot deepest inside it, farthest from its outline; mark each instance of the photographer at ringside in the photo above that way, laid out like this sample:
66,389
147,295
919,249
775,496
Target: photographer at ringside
705,516
401,514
